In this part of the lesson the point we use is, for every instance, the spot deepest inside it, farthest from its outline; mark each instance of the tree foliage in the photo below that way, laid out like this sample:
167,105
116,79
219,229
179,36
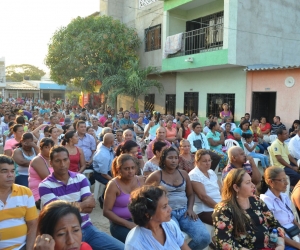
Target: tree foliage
131,81
16,73
90,49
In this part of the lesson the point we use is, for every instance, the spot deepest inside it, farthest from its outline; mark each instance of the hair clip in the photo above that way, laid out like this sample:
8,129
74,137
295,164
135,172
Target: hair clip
149,199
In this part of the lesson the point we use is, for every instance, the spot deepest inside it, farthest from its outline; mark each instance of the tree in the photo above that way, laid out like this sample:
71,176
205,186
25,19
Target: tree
89,50
131,81
17,73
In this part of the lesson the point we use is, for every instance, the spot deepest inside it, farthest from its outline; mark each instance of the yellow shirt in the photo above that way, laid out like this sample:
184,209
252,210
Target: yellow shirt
279,148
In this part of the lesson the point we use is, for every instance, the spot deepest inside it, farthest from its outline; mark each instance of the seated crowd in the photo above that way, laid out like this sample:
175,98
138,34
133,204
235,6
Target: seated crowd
47,152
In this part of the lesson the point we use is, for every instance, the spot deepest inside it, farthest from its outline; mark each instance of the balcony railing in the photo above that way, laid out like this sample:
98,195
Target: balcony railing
202,40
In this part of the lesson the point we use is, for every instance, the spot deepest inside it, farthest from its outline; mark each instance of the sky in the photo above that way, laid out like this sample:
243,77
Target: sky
26,26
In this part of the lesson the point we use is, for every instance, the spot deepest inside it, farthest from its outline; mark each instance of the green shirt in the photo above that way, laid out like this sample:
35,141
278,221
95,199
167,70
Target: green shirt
216,137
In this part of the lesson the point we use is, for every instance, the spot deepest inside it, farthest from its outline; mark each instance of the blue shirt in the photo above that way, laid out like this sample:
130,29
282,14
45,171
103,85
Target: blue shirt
102,160
87,144
125,121
141,238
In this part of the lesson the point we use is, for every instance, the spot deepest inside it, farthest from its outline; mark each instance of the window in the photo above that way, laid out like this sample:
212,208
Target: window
149,102
170,104
143,3
215,101
153,38
191,102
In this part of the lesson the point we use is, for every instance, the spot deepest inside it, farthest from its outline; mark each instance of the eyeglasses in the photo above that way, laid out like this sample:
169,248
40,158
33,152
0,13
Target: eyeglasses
283,180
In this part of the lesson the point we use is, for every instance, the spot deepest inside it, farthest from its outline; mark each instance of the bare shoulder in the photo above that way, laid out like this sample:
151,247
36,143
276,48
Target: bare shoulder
153,177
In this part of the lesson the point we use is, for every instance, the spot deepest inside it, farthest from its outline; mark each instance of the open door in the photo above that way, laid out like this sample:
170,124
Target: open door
264,104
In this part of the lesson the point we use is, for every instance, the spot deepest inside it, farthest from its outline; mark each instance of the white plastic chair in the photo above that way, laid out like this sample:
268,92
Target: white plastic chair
217,170
87,172
273,138
288,187
230,143
271,159
256,160
98,189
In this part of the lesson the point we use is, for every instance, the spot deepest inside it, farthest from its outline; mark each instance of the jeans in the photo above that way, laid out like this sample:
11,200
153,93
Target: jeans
100,178
262,147
118,231
195,229
294,176
99,240
263,159
22,180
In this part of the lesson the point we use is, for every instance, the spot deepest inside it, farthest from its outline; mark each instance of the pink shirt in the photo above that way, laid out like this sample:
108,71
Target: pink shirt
102,119
34,179
10,144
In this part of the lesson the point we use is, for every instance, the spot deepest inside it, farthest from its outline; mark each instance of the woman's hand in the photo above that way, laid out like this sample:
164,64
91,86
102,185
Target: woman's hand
44,242
130,225
191,214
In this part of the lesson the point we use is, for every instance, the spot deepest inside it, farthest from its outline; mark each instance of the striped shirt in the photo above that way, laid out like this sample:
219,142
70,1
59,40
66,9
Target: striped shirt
18,209
275,127
75,190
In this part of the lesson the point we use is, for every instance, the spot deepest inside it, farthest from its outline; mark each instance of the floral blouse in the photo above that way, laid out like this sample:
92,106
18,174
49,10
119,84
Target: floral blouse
257,236
185,164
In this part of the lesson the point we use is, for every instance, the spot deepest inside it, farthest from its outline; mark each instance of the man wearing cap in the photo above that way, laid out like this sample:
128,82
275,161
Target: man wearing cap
67,121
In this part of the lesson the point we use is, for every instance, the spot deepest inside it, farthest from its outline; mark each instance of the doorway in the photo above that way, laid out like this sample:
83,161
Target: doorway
264,104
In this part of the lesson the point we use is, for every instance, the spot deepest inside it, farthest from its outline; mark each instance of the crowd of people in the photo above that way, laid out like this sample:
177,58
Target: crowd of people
160,175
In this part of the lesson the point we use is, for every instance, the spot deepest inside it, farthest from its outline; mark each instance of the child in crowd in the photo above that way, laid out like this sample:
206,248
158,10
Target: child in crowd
251,149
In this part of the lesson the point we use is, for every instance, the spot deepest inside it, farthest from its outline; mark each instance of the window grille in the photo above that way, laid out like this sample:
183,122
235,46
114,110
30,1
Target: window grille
215,102
191,103
143,3
170,104
149,102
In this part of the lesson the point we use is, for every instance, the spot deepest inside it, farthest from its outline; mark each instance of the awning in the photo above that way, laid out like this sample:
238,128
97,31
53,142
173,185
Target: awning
20,86
258,67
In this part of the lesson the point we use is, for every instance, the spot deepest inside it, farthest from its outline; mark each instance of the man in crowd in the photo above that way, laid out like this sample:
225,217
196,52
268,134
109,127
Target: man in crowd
102,161
199,141
133,114
126,122
294,145
86,142
160,136
74,187
18,214
282,158
54,121
276,125
238,159
145,119
247,117
96,127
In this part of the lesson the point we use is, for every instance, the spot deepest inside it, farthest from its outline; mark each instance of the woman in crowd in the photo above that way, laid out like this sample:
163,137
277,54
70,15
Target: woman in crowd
227,132
91,132
265,129
206,186
153,164
25,151
181,197
21,120
293,129
103,118
139,127
116,123
171,132
250,148
241,220
153,125
186,158
243,128
40,168
216,140
258,136
117,195
10,144
76,156
152,214
184,130
59,228
273,194
46,118
54,134
225,112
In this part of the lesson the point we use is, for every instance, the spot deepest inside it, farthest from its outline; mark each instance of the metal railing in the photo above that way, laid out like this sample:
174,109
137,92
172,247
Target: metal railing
202,40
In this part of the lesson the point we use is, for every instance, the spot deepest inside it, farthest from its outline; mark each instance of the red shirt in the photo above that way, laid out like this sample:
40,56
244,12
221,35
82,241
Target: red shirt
85,246
186,134
267,126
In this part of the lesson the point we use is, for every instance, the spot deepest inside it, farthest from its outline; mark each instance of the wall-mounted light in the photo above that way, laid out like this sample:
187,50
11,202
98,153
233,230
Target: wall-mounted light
190,59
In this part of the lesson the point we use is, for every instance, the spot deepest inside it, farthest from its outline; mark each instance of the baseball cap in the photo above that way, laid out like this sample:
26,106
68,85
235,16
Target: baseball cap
67,120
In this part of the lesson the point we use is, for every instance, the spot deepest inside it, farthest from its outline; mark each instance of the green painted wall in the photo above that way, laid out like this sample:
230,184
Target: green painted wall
171,4
230,80
205,10
205,59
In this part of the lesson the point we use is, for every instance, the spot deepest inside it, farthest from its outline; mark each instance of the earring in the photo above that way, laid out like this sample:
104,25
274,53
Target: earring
237,195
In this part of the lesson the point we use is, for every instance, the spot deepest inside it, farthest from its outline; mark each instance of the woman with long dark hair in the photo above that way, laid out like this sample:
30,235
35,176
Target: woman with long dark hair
184,129
153,125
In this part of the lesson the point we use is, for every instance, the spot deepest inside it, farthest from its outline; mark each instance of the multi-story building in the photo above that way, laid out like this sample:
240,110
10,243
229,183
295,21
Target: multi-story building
146,16
220,38
2,76
204,46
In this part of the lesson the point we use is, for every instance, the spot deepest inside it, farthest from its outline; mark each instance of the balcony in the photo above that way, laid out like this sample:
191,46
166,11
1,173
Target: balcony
201,40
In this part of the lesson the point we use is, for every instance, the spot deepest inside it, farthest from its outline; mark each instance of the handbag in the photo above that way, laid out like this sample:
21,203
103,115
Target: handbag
292,231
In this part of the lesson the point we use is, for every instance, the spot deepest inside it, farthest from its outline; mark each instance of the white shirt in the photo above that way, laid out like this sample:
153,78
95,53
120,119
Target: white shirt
211,188
233,126
294,147
193,137
98,132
